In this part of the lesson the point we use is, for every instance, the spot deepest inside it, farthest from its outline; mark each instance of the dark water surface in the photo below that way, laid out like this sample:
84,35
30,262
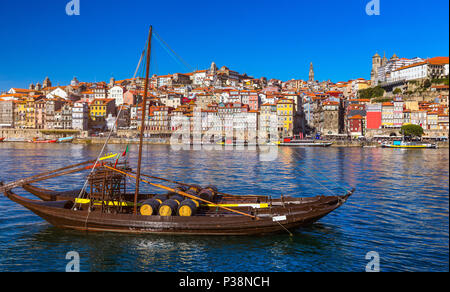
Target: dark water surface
400,210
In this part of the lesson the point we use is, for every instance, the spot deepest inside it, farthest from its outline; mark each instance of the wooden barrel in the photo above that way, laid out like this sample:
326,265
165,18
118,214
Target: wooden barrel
188,208
181,188
168,208
161,198
212,188
178,198
206,194
195,188
149,207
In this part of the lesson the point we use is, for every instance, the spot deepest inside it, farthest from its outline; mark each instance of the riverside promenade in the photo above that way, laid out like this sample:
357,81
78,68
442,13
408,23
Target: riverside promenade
128,137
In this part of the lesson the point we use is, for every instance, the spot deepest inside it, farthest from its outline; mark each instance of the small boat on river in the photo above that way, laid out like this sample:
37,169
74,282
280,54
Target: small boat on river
65,140
296,141
2,139
35,140
408,145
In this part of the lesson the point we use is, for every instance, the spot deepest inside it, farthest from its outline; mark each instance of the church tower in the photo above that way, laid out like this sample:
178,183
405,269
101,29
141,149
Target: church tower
46,83
384,60
376,64
213,68
311,73
74,82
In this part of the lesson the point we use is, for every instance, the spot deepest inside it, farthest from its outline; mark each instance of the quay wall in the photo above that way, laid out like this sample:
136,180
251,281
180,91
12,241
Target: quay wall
130,137
28,134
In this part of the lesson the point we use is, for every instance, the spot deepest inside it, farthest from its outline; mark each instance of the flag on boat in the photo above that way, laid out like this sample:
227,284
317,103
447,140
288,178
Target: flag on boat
124,154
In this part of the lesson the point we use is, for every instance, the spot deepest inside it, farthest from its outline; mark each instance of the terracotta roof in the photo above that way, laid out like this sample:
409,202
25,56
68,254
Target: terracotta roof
438,60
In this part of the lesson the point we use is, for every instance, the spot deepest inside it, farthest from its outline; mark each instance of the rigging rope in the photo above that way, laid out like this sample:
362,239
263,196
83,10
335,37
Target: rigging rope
82,192
169,49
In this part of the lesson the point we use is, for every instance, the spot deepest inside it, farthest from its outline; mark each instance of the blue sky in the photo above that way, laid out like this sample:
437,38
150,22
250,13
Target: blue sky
275,39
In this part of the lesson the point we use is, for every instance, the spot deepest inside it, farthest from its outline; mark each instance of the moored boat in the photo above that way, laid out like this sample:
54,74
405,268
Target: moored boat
283,216
35,140
408,145
305,143
2,139
65,140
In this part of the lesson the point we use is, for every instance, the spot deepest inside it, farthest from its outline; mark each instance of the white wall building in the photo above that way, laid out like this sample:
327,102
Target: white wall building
80,116
431,68
58,92
116,93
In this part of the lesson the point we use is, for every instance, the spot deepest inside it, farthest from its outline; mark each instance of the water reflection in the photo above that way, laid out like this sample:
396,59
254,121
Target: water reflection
400,210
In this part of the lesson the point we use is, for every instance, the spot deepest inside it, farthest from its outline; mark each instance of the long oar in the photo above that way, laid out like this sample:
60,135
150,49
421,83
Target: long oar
37,177
181,193
188,185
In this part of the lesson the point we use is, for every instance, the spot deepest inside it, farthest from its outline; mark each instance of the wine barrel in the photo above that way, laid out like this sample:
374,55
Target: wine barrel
207,194
168,208
178,198
188,208
212,188
195,188
149,207
161,198
191,192
181,188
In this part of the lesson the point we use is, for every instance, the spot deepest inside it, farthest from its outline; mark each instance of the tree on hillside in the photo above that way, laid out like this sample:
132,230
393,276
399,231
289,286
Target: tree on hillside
412,130
370,93
397,91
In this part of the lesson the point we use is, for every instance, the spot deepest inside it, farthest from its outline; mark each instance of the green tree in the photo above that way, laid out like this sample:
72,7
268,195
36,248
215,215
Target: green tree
427,83
370,93
412,130
397,91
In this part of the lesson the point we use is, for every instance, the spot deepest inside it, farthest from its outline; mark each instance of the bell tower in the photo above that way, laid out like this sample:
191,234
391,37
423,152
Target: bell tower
311,73
376,64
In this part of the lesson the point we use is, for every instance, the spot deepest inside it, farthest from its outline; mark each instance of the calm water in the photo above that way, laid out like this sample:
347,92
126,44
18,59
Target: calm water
400,210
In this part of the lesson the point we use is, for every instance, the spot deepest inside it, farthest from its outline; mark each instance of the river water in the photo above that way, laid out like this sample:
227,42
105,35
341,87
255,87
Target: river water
400,210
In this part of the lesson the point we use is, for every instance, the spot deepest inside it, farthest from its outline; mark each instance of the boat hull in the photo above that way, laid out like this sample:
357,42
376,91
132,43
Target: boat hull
65,217
44,141
306,144
65,140
410,146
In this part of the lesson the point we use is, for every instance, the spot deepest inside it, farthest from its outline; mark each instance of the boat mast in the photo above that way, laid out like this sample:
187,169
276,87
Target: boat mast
144,109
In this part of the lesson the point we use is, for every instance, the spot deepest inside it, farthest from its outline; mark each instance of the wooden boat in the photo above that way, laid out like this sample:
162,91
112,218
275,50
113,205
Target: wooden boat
104,203
209,222
2,139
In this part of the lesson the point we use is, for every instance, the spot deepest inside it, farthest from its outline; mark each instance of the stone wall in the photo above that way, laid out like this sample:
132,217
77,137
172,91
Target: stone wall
27,134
